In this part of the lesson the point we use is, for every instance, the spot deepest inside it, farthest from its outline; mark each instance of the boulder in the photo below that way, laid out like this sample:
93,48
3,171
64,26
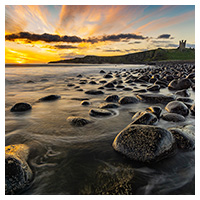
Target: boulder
144,118
184,136
94,92
85,103
180,84
112,98
192,109
177,107
108,76
102,72
140,91
21,107
78,121
173,117
127,89
128,100
96,112
50,98
144,143
183,93
17,171
155,98
184,99
156,110
153,88
92,83
109,85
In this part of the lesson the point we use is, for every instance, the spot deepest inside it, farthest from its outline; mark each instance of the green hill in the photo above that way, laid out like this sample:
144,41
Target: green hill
137,58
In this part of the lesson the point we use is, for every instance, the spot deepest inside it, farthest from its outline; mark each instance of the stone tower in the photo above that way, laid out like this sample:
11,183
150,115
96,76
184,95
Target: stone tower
182,45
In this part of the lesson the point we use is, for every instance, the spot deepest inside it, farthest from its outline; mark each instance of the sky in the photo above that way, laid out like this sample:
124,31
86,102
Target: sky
43,33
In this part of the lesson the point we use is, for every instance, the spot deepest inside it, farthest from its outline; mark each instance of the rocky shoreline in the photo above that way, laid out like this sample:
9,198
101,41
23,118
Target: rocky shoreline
140,141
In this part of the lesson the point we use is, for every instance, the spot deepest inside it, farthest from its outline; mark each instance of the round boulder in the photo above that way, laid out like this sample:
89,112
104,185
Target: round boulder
78,121
94,92
156,110
96,112
177,107
17,171
128,100
20,107
112,98
50,98
173,117
144,143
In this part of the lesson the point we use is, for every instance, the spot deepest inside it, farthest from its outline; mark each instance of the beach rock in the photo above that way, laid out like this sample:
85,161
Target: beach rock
83,82
44,80
17,171
144,143
180,84
155,98
79,90
79,99
145,117
192,109
154,88
21,107
94,92
108,76
102,72
96,112
92,83
112,98
184,136
85,103
183,93
162,84
50,98
156,110
78,121
177,107
30,81
120,86
184,99
128,100
173,117
102,81
70,84
108,105
79,76
109,85
127,89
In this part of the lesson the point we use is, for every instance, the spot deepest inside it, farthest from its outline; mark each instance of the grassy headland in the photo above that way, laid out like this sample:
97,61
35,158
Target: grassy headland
149,57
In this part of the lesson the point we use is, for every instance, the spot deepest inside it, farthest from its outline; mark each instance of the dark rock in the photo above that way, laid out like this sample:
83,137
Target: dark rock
79,76
30,81
76,87
162,84
94,92
177,107
70,84
108,105
120,86
155,98
83,82
183,93
173,117
156,110
108,76
92,83
144,143
109,85
154,88
79,99
100,112
79,90
128,100
192,109
127,89
112,98
180,84
50,98
190,76
85,103
102,81
184,99
145,117
20,107
78,121
102,72
101,88
185,137
17,171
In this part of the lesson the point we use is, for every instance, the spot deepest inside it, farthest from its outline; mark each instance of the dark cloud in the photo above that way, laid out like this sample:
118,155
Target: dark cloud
164,36
159,41
71,39
136,42
113,50
64,47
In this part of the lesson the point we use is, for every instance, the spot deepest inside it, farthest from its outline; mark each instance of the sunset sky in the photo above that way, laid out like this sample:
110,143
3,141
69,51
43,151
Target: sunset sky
39,34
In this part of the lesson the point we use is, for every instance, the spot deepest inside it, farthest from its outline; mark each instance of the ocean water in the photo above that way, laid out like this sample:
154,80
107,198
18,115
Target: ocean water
80,160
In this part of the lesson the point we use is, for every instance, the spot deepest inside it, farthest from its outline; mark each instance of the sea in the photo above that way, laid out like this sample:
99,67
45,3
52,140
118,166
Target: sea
69,160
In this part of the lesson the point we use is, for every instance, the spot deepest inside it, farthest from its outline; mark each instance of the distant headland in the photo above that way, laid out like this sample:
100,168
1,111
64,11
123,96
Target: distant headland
179,54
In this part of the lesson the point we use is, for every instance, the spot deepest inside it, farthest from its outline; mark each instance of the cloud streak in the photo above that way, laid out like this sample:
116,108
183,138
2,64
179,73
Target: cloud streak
71,39
164,36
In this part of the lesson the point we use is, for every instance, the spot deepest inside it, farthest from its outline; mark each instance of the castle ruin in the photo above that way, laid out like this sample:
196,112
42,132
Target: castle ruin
182,45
